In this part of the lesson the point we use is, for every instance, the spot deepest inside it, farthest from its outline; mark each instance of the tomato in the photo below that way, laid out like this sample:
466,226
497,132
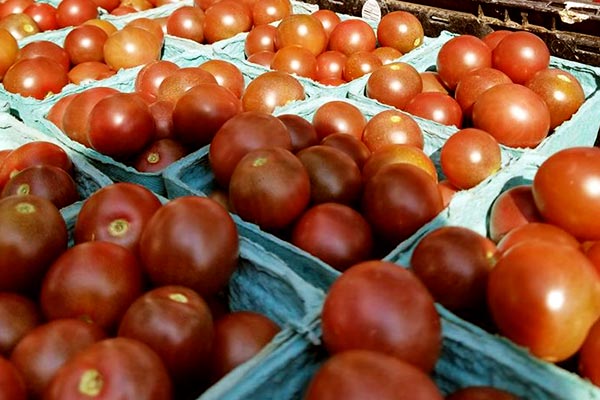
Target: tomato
94,281
334,233
205,260
187,22
400,30
175,84
330,65
435,106
19,25
454,262
176,323
116,213
565,190
554,288
242,133
35,77
302,133
162,112
227,75
397,214
260,38
515,115
352,35
386,54
362,374
493,38
360,63
130,47
225,19
588,355
41,353
269,187
398,153
110,369
9,50
389,127
520,55
481,393
433,83
537,231
334,176
512,208
32,235
46,48
75,12
304,30
474,83
239,336
469,157
12,385
380,306
295,59
201,111
394,84
159,155
460,55
329,19
85,43
18,316
271,89
338,116
355,148
151,75
89,71
267,11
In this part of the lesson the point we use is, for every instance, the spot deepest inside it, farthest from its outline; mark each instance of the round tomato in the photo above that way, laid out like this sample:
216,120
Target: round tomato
18,316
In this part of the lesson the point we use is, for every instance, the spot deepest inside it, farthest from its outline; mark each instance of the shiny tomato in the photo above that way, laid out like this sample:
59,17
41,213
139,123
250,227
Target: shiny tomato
329,19
18,316
12,385
362,374
89,71
400,30
330,65
130,47
9,50
110,369
566,191
512,208
520,55
355,148
151,75
260,38
588,355
338,116
537,231
352,35
35,77
380,306
554,288
269,187
187,22
394,84
75,12
295,59
159,155
474,83
175,84
85,43
395,154
435,106
225,19
304,30
267,11
272,89
205,260
46,48
360,63
302,133
460,55
227,74
392,126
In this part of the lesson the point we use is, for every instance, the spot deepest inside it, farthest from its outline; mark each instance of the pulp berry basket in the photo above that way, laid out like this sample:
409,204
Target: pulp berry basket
14,133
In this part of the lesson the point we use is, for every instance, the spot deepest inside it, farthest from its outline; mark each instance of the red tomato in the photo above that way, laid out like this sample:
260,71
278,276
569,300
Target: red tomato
225,19
589,354
302,133
75,12
380,306
512,208
159,155
395,154
394,84
554,288
537,231
12,385
304,30
338,116
400,30
474,83
520,55
18,316
111,369
362,374
260,38
272,89
459,56
435,106
352,35
392,127
35,77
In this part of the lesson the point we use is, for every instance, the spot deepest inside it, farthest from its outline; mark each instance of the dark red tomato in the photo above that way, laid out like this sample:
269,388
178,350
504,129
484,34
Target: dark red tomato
239,336
34,153
386,308
295,59
565,190
520,55
46,48
227,75
515,115
120,125
302,133
12,385
432,82
338,116
175,84
151,75
269,187
470,156
260,38
392,127
394,84
352,35
438,107
41,353
492,39
130,47
460,55
474,83
537,231
35,77
396,214
512,208
360,63
334,233
201,111
589,353
398,153
89,71
241,134
75,12
176,323
271,89
47,181
361,374
560,90
34,234
116,213
94,281
330,64
454,262
554,288
350,145
85,43
386,54
205,260
111,369
159,155
481,393
401,30
9,51
304,30
18,316
187,22
162,112
77,111
267,11
19,25
225,19
334,176
329,19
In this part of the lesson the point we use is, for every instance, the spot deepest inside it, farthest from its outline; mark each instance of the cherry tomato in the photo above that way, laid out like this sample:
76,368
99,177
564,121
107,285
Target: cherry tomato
512,208
520,55
460,55
18,316
400,30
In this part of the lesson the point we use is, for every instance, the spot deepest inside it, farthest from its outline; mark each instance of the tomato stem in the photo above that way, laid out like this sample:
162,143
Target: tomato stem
118,227
91,383
25,208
